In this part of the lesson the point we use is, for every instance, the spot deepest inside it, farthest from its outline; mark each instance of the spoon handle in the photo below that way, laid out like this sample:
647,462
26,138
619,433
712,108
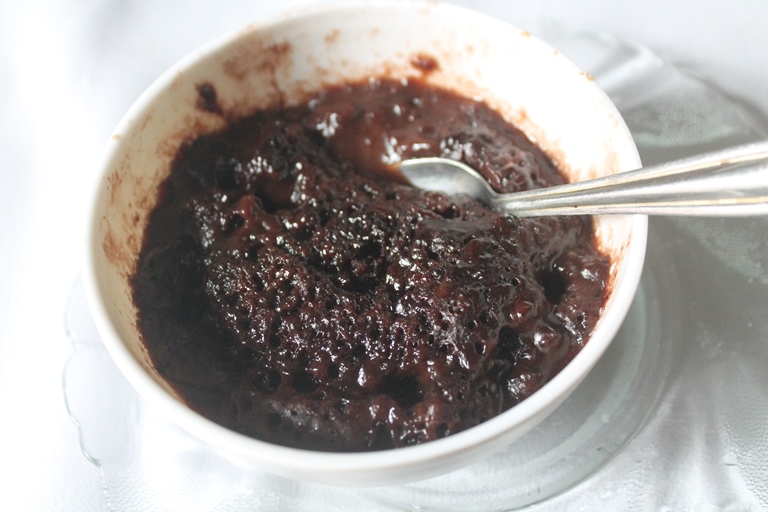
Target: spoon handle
730,182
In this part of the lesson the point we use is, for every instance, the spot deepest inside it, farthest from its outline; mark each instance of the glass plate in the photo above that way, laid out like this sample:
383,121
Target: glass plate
673,417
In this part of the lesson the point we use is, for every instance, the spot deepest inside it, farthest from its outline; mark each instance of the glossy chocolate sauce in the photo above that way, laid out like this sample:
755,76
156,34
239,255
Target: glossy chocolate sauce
293,289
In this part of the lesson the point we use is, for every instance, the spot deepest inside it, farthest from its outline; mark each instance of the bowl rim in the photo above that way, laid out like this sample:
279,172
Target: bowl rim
294,461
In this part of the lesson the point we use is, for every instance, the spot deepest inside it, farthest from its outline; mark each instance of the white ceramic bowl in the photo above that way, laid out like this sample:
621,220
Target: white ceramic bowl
528,81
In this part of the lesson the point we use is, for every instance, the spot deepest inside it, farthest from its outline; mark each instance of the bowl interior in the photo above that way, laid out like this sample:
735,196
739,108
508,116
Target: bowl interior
286,59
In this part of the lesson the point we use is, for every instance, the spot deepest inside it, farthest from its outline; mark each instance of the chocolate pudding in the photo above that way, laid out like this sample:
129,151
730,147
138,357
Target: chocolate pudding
293,288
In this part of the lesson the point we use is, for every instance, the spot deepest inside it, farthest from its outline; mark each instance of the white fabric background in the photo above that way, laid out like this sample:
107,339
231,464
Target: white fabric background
69,70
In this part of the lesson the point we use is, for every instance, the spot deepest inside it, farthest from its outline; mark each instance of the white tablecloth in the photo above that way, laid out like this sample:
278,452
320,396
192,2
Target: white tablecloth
70,69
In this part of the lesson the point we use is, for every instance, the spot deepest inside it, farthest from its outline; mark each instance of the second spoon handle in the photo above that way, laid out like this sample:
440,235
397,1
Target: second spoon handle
730,182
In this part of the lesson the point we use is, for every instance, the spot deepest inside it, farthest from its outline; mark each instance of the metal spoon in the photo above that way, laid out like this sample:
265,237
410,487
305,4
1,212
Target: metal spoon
730,182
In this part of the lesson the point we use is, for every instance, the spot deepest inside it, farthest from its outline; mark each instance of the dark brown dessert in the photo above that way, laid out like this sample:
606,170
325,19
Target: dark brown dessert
291,288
